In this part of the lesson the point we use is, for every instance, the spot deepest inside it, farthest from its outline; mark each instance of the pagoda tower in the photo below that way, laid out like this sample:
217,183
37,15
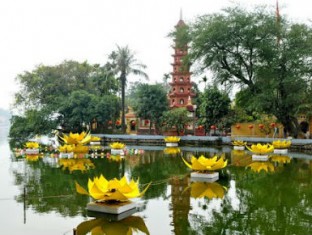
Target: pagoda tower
180,93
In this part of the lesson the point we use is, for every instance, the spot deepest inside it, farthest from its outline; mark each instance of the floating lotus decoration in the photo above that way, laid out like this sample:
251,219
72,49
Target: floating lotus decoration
104,190
281,147
105,226
206,164
261,149
95,138
207,189
259,166
117,145
239,144
32,147
172,141
75,138
205,168
117,148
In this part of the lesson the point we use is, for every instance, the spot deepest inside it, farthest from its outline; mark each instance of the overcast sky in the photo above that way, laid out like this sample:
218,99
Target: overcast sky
50,31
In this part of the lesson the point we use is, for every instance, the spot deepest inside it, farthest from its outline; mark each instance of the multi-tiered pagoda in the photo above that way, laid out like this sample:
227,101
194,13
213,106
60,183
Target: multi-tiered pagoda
181,87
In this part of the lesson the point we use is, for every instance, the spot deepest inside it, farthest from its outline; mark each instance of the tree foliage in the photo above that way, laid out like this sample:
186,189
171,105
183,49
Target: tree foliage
214,108
151,102
269,60
73,93
176,118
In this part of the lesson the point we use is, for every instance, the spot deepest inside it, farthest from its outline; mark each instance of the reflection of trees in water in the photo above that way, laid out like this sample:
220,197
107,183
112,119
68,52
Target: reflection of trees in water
157,168
271,203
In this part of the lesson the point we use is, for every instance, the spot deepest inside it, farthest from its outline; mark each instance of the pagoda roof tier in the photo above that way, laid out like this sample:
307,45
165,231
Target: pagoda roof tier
182,73
174,94
176,63
178,83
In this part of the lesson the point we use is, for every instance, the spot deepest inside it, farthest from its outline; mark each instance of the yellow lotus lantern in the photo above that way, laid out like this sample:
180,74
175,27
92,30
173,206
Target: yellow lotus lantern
95,138
207,189
172,141
75,138
105,226
102,189
260,151
32,147
259,166
95,141
117,145
239,144
281,146
117,148
206,164
206,167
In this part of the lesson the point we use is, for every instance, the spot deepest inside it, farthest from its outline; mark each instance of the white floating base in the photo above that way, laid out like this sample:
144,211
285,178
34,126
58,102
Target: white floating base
175,144
111,208
260,157
281,151
66,155
95,143
112,217
117,152
239,147
32,151
204,177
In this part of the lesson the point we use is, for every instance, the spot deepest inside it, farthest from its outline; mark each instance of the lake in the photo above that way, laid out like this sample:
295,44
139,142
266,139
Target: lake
38,196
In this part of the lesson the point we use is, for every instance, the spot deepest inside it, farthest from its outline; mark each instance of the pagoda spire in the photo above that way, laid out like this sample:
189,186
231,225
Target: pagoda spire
181,14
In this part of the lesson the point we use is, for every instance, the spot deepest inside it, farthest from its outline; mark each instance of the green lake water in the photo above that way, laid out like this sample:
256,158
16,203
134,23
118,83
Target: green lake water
39,197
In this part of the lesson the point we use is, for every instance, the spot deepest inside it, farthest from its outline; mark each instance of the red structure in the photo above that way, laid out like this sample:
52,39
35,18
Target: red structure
181,87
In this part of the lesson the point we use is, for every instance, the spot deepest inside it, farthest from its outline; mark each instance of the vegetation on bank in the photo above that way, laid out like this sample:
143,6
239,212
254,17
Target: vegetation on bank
265,59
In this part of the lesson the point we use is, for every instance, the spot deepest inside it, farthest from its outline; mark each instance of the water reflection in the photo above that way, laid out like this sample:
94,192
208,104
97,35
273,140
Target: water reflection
80,164
208,190
278,203
106,226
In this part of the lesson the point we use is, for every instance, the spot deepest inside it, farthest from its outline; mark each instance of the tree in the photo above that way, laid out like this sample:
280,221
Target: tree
123,62
151,103
269,60
75,92
176,118
214,108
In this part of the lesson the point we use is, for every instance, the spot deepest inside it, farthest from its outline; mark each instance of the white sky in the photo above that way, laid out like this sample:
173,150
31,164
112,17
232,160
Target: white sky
48,32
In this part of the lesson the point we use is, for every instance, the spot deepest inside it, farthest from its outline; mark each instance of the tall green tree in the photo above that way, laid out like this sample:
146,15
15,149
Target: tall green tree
151,103
269,60
124,63
214,108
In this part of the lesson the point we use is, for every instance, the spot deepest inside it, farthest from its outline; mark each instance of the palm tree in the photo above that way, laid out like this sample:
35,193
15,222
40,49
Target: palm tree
125,63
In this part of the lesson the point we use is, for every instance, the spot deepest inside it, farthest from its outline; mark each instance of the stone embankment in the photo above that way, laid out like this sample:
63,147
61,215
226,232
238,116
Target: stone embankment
298,144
